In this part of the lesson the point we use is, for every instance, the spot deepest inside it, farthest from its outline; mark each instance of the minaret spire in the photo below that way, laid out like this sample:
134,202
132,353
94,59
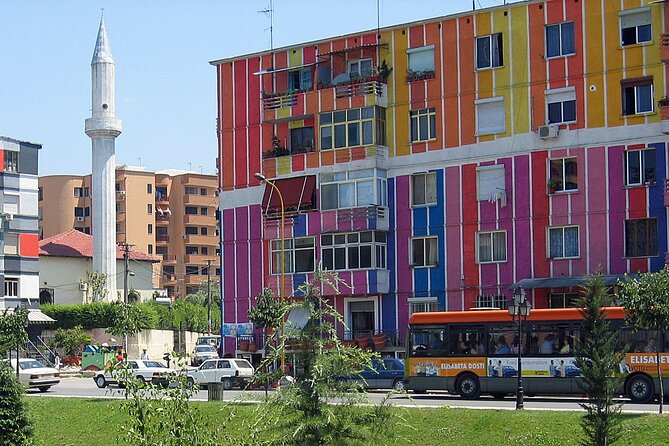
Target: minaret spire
103,127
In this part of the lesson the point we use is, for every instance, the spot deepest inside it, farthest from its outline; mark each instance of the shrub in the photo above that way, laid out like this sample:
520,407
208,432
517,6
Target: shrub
16,428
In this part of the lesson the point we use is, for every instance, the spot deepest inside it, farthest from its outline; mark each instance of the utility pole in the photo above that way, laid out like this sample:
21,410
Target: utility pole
208,296
126,254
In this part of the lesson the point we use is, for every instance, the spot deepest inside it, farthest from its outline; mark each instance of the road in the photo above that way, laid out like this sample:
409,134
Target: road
86,388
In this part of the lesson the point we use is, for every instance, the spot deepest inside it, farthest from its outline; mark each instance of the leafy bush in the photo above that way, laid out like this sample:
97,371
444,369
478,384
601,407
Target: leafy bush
93,315
16,427
71,340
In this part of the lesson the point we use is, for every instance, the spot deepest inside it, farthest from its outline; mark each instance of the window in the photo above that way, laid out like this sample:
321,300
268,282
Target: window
149,209
490,116
489,52
192,251
560,39
359,68
204,250
78,192
635,26
356,250
78,212
301,139
561,105
300,79
423,304
424,252
353,127
191,230
161,250
353,189
149,229
190,190
150,250
203,211
10,204
40,194
192,270
87,230
563,242
11,287
203,192
11,161
641,237
161,193
491,301
191,210
423,124
562,300
490,182
424,189
203,231
639,167
87,211
299,255
563,175
149,188
421,60
80,229
491,246
87,191
637,95
11,244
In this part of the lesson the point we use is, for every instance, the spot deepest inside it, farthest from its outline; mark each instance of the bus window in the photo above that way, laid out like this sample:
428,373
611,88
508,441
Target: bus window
466,340
502,339
428,342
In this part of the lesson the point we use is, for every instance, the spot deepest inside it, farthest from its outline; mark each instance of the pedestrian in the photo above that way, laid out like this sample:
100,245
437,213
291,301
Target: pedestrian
56,361
144,356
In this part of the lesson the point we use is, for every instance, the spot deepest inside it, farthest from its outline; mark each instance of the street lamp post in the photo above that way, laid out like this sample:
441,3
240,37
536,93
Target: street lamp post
264,179
519,310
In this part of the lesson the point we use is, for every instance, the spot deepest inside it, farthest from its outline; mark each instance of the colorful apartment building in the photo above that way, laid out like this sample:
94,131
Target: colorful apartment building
168,214
440,164
18,225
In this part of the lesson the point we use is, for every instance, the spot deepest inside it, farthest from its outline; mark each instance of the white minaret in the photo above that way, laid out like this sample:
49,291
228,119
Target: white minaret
103,127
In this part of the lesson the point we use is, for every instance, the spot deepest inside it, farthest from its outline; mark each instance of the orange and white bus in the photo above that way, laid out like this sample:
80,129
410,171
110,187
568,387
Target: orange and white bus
474,352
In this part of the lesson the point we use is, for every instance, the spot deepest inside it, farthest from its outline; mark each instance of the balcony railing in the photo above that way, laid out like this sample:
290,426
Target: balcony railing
359,88
273,101
169,258
162,238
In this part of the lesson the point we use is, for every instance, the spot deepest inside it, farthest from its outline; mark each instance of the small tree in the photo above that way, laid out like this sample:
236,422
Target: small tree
598,361
97,285
71,340
646,301
13,323
16,428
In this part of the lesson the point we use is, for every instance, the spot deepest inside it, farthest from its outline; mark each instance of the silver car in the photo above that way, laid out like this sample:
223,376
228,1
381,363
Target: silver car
33,374
147,370
202,353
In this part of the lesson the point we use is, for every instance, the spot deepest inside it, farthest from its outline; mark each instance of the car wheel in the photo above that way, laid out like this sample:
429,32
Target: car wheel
227,383
640,389
44,388
398,385
468,386
191,382
100,381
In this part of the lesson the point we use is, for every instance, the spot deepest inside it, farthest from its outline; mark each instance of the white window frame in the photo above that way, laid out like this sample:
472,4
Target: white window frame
353,181
305,79
485,105
347,311
642,167
626,15
559,231
378,249
637,107
369,130
561,96
430,193
423,304
421,59
561,39
12,288
11,203
423,117
562,176
490,181
291,252
11,161
11,244
357,73
497,301
490,55
490,234
564,297
430,249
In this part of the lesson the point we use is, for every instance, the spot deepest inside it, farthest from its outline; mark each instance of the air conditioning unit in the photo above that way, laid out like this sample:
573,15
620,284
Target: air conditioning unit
83,286
80,218
549,131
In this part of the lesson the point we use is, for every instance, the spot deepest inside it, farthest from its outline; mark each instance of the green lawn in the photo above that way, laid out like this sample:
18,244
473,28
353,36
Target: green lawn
85,422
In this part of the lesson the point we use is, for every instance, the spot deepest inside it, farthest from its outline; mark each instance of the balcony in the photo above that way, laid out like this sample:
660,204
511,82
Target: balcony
664,48
199,259
169,258
274,101
200,220
193,279
162,219
162,238
201,200
357,219
162,199
207,240
169,279
375,91
120,195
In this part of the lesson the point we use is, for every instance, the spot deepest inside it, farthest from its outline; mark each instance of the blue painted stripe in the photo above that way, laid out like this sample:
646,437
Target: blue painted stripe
656,205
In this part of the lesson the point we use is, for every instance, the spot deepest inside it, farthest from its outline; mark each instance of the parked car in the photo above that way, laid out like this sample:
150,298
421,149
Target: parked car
383,373
212,340
203,352
34,374
230,371
148,370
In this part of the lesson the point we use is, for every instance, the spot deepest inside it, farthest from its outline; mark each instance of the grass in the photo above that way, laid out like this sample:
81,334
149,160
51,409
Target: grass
75,422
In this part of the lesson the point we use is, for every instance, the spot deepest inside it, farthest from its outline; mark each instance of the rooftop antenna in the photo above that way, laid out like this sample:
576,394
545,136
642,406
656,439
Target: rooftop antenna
269,11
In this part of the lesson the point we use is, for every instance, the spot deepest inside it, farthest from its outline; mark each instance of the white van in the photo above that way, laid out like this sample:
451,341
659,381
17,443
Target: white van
231,372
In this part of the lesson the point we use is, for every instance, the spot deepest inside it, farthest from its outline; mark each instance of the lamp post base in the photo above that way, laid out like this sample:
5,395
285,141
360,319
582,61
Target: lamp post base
519,397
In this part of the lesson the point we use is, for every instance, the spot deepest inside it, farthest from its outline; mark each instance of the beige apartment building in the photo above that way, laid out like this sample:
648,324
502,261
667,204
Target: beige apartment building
169,214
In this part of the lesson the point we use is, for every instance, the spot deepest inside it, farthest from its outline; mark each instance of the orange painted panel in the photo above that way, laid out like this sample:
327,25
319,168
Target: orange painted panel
327,158
467,80
450,113
312,160
537,66
29,244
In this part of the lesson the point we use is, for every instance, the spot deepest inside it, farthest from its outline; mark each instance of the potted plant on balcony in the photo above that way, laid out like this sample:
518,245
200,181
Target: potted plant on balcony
663,105
554,184
276,150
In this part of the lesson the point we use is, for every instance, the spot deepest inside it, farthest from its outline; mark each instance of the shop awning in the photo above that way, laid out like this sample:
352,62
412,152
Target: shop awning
37,317
564,282
299,193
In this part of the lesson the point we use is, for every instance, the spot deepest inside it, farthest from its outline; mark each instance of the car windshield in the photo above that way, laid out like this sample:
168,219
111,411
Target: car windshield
154,364
205,348
243,364
32,364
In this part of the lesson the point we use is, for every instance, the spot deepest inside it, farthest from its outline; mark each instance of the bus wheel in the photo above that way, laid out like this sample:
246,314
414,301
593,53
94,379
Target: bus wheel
468,386
640,389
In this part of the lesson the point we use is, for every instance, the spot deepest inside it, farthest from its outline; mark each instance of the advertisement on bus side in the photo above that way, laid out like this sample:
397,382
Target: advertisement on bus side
446,366
645,362
495,367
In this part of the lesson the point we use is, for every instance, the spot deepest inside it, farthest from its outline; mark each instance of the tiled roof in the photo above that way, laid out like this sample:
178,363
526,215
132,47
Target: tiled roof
75,243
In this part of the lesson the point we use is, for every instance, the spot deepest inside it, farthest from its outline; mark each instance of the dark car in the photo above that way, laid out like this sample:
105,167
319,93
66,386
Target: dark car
384,373
569,371
507,372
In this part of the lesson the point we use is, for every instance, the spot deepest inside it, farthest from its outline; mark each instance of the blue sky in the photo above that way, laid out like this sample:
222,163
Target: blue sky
165,86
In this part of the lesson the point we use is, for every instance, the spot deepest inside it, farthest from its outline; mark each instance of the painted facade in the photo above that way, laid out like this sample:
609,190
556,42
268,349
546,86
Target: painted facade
520,145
